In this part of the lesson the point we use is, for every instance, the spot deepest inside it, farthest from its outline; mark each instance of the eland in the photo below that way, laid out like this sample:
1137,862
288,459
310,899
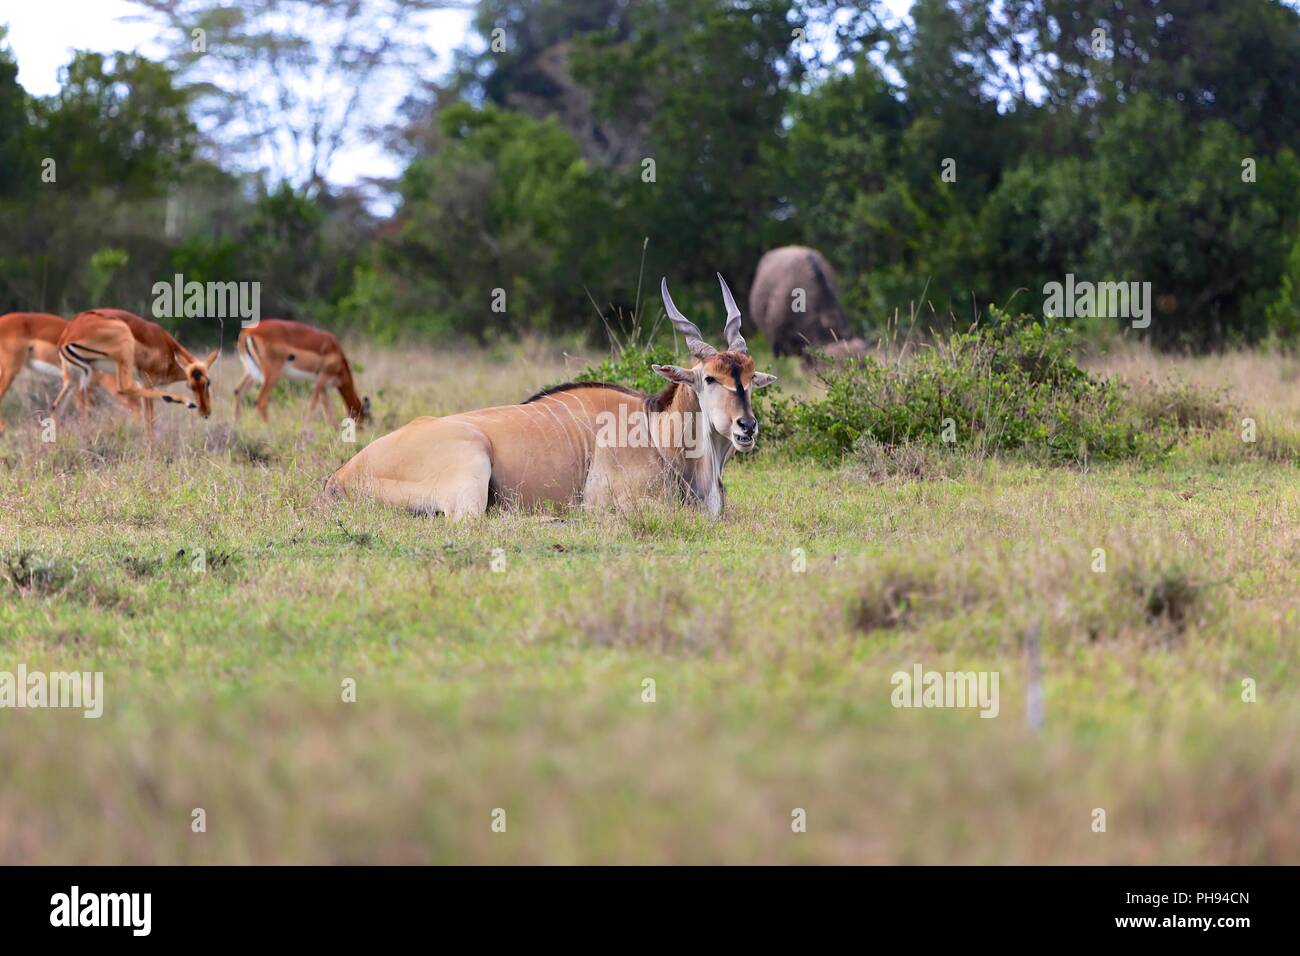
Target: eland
583,443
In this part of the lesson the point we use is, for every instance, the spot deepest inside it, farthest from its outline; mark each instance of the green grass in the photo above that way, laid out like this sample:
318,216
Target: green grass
521,688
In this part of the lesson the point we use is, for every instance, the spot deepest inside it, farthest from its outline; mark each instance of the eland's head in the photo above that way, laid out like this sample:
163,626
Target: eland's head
722,381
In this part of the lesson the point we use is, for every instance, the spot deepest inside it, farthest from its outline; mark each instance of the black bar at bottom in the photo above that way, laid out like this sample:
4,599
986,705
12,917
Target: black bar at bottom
333,906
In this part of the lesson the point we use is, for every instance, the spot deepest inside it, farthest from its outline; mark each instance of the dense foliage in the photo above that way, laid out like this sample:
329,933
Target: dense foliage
962,156
1012,383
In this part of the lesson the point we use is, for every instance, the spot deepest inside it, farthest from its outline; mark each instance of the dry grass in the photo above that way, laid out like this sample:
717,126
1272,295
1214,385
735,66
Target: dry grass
771,637
1261,384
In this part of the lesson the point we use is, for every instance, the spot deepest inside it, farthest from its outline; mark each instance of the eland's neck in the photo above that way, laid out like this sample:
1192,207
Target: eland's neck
695,451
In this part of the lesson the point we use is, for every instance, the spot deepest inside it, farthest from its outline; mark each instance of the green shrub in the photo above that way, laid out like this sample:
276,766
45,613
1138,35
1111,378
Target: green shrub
1010,384
630,367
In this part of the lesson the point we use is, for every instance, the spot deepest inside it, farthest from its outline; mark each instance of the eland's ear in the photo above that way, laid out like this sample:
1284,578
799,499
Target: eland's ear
761,380
675,373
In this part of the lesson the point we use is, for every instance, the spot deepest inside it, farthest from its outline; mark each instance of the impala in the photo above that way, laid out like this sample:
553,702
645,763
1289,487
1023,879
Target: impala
121,342
31,339
28,339
548,449
275,347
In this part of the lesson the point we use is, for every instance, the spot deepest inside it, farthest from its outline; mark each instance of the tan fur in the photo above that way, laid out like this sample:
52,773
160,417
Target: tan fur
544,452
558,448
527,455
275,345
131,347
27,338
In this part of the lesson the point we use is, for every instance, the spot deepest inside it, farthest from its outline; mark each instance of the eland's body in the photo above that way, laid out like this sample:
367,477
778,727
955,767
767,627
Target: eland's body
585,444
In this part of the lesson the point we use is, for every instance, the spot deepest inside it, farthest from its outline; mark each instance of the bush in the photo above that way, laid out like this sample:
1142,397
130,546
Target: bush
630,367
1010,384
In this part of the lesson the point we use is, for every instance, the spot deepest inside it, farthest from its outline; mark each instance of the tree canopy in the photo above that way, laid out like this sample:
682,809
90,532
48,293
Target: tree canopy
965,154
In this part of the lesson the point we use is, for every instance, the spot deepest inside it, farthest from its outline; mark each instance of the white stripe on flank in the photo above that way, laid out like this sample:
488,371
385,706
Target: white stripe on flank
45,368
250,362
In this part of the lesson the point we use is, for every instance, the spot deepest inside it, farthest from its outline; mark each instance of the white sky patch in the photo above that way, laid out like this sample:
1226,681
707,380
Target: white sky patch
44,35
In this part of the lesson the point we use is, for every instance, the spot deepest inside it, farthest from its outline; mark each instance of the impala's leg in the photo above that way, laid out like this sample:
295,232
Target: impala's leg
327,406
318,397
126,384
68,371
240,389
109,384
83,395
311,407
270,375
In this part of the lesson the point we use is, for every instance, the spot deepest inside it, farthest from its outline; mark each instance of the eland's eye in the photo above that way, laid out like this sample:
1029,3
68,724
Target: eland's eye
710,380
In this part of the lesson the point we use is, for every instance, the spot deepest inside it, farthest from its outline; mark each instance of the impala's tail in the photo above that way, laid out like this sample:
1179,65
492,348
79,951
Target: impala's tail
76,356
248,356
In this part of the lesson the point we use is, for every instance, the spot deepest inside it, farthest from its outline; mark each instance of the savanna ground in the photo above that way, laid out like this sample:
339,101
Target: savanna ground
522,688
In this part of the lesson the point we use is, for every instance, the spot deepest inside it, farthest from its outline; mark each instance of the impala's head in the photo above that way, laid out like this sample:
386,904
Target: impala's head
198,380
723,382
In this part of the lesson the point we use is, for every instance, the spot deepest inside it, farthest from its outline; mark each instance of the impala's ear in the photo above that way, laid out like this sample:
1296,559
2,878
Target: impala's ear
761,380
675,373
212,357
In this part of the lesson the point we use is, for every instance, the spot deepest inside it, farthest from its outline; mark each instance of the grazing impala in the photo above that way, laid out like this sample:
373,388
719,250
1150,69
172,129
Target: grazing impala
28,339
31,339
275,347
120,341
554,448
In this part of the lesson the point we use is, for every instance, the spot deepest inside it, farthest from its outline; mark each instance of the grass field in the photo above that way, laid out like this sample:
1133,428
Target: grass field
501,664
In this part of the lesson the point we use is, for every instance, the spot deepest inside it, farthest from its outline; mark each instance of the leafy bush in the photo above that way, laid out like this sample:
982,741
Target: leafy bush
1010,384
630,367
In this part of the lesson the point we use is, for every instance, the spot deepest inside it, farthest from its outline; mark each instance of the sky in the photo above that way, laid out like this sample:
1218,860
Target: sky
43,34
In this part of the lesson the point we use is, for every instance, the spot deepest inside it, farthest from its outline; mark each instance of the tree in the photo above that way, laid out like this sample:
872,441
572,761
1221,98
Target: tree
1212,245
19,172
119,122
709,82
287,84
1227,60
504,203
